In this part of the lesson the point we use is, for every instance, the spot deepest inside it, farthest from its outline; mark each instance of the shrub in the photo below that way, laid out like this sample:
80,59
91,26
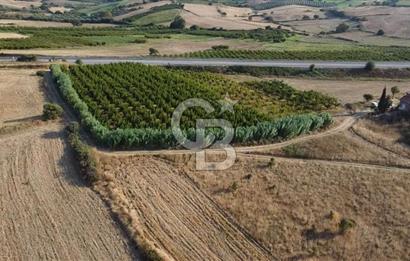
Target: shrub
395,90
341,28
79,62
368,97
220,47
380,32
40,73
153,51
345,225
370,66
51,111
178,23
312,67
27,58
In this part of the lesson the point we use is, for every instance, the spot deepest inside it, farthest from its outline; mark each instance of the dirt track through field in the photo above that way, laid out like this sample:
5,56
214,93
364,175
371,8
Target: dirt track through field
46,210
174,214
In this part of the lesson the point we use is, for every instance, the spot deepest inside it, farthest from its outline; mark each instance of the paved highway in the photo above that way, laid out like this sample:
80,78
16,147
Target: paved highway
223,62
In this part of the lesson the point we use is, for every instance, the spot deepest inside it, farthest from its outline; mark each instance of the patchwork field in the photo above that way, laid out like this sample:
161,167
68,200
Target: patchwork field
20,4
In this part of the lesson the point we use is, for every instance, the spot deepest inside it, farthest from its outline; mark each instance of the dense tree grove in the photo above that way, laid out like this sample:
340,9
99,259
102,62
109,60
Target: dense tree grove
129,105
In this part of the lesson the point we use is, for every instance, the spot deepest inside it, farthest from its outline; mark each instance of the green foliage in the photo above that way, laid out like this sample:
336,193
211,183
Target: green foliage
153,51
358,54
220,47
346,224
140,41
380,32
341,28
300,100
178,23
370,66
123,95
87,162
395,90
52,111
384,102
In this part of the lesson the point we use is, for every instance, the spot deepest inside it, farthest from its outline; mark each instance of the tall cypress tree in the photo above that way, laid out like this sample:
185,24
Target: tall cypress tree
384,102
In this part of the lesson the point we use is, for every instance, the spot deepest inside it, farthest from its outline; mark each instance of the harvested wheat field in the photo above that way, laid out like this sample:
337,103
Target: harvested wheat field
47,212
173,214
293,12
31,23
206,16
20,95
18,4
316,210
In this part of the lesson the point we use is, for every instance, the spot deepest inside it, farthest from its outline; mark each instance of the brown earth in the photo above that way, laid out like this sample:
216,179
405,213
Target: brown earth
293,12
174,214
29,23
47,211
295,207
20,4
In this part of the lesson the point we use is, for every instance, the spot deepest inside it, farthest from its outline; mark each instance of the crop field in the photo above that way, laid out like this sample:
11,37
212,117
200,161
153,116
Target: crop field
357,54
116,102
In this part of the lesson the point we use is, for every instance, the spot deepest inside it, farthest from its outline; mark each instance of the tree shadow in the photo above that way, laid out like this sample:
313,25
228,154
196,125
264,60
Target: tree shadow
19,120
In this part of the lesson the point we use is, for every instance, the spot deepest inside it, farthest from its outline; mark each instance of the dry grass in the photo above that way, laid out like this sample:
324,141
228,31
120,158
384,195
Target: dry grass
315,26
20,4
20,95
395,21
391,136
163,207
342,147
372,39
144,8
60,9
12,36
293,12
288,207
207,16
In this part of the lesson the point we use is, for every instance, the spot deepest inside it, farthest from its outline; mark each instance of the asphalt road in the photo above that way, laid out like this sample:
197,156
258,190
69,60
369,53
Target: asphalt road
224,62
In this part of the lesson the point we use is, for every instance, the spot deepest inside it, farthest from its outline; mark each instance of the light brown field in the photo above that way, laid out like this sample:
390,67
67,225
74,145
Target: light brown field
293,12
61,9
47,211
314,26
207,16
28,23
20,4
12,36
170,46
170,211
288,207
395,21
372,39
21,95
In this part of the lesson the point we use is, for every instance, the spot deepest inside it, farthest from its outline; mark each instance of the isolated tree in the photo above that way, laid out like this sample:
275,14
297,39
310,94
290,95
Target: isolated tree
153,51
368,97
51,111
178,23
380,32
312,67
316,16
341,28
384,102
79,62
370,66
395,90
194,27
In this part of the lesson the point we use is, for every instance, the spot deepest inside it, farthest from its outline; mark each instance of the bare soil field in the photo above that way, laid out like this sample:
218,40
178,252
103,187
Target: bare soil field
20,95
208,17
18,4
395,21
170,211
28,23
315,26
60,9
168,46
12,36
47,211
295,207
293,12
